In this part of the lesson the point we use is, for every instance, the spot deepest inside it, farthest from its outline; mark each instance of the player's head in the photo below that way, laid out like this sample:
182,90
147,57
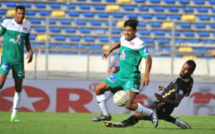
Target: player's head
19,14
187,69
130,29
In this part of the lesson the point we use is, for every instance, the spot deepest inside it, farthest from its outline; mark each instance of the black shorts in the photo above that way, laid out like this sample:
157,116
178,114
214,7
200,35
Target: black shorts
164,110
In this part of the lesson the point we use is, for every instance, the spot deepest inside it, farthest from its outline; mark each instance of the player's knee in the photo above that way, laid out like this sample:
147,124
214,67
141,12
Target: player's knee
98,89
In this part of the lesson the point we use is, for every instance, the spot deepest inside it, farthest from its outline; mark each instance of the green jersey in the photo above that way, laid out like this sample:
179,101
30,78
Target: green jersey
131,53
14,40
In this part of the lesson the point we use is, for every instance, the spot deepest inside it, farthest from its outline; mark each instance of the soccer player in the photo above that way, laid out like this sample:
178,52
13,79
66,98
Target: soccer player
213,53
132,49
169,99
16,35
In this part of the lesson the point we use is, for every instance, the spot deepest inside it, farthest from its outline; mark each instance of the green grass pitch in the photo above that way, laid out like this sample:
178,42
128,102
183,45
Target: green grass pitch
80,123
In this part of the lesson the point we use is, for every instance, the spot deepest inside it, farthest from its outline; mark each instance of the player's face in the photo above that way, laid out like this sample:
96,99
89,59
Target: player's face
185,71
129,33
19,16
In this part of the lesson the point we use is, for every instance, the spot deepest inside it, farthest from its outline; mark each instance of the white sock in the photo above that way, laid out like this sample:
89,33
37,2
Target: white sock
16,103
102,103
176,121
143,110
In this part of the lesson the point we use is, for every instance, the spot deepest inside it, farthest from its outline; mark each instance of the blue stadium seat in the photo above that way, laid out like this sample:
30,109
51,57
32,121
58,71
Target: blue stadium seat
102,14
95,22
169,1
110,1
157,8
88,14
40,5
55,29
143,32
142,8
107,23
212,25
2,12
203,34
174,17
199,25
54,5
184,1
148,40
99,31
131,15
200,49
102,39
207,41
99,7
69,53
35,44
32,36
95,0
199,2
128,7
168,49
160,16
179,41
184,25
54,53
80,22
73,14
64,21
158,32
151,49
172,9
188,33
39,29
154,1
146,16
64,45
10,4
84,30
211,2
74,38
30,12
34,20
154,24
44,13
50,45
162,41
139,1
88,38
142,24
204,17
202,9
82,0
213,10
59,37
177,33
84,7
192,41
76,46
117,15
25,4
69,30
94,46
187,9
116,31
69,6
115,39
51,21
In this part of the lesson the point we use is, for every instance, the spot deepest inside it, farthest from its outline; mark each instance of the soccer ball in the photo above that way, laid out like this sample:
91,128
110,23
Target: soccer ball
121,98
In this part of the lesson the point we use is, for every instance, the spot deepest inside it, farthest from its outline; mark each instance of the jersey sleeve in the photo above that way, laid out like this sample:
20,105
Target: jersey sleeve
27,37
144,51
3,27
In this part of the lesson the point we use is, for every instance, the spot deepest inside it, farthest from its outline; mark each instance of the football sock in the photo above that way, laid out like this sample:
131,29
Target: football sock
16,103
144,110
102,103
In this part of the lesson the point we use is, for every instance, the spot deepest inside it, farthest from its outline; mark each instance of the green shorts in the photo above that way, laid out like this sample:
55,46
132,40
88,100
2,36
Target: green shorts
17,69
117,83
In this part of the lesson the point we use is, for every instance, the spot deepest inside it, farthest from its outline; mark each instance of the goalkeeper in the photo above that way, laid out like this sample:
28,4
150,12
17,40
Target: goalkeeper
169,99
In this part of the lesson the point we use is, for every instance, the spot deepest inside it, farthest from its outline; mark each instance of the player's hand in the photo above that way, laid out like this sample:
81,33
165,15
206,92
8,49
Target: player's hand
213,53
161,88
105,54
30,56
145,80
159,97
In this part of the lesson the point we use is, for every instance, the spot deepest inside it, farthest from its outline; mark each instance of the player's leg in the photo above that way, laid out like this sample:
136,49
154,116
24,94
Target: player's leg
4,70
182,124
2,80
18,75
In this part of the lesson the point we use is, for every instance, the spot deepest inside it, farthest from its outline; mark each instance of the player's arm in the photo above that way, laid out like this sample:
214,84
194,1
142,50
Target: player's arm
2,29
145,78
28,48
105,54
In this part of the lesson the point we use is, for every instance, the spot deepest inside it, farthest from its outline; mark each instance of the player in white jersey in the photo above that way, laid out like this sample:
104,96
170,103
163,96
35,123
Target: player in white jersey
16,36
132,50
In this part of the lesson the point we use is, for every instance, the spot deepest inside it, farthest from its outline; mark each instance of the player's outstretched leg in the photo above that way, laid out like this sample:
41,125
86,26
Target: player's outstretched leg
182,124
102,118
132,120
14,119
154,118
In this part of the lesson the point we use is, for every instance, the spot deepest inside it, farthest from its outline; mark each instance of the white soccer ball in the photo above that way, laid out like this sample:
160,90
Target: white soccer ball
121,98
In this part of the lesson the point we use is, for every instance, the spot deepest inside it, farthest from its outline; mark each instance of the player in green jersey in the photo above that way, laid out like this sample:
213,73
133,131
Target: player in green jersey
132,50
16,36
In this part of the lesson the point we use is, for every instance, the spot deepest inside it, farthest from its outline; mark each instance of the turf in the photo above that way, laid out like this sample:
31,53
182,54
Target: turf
80,123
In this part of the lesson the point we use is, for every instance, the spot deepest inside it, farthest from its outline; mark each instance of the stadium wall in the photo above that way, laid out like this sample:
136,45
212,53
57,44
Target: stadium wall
79,97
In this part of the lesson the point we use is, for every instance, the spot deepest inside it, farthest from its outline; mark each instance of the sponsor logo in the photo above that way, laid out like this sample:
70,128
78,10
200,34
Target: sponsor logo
131,43
181,92
18,40
112,78
24,28
123,55
145,50
21,73
5,67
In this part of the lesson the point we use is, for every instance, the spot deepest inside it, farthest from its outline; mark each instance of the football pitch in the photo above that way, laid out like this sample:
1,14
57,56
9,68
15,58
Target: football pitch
80,123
